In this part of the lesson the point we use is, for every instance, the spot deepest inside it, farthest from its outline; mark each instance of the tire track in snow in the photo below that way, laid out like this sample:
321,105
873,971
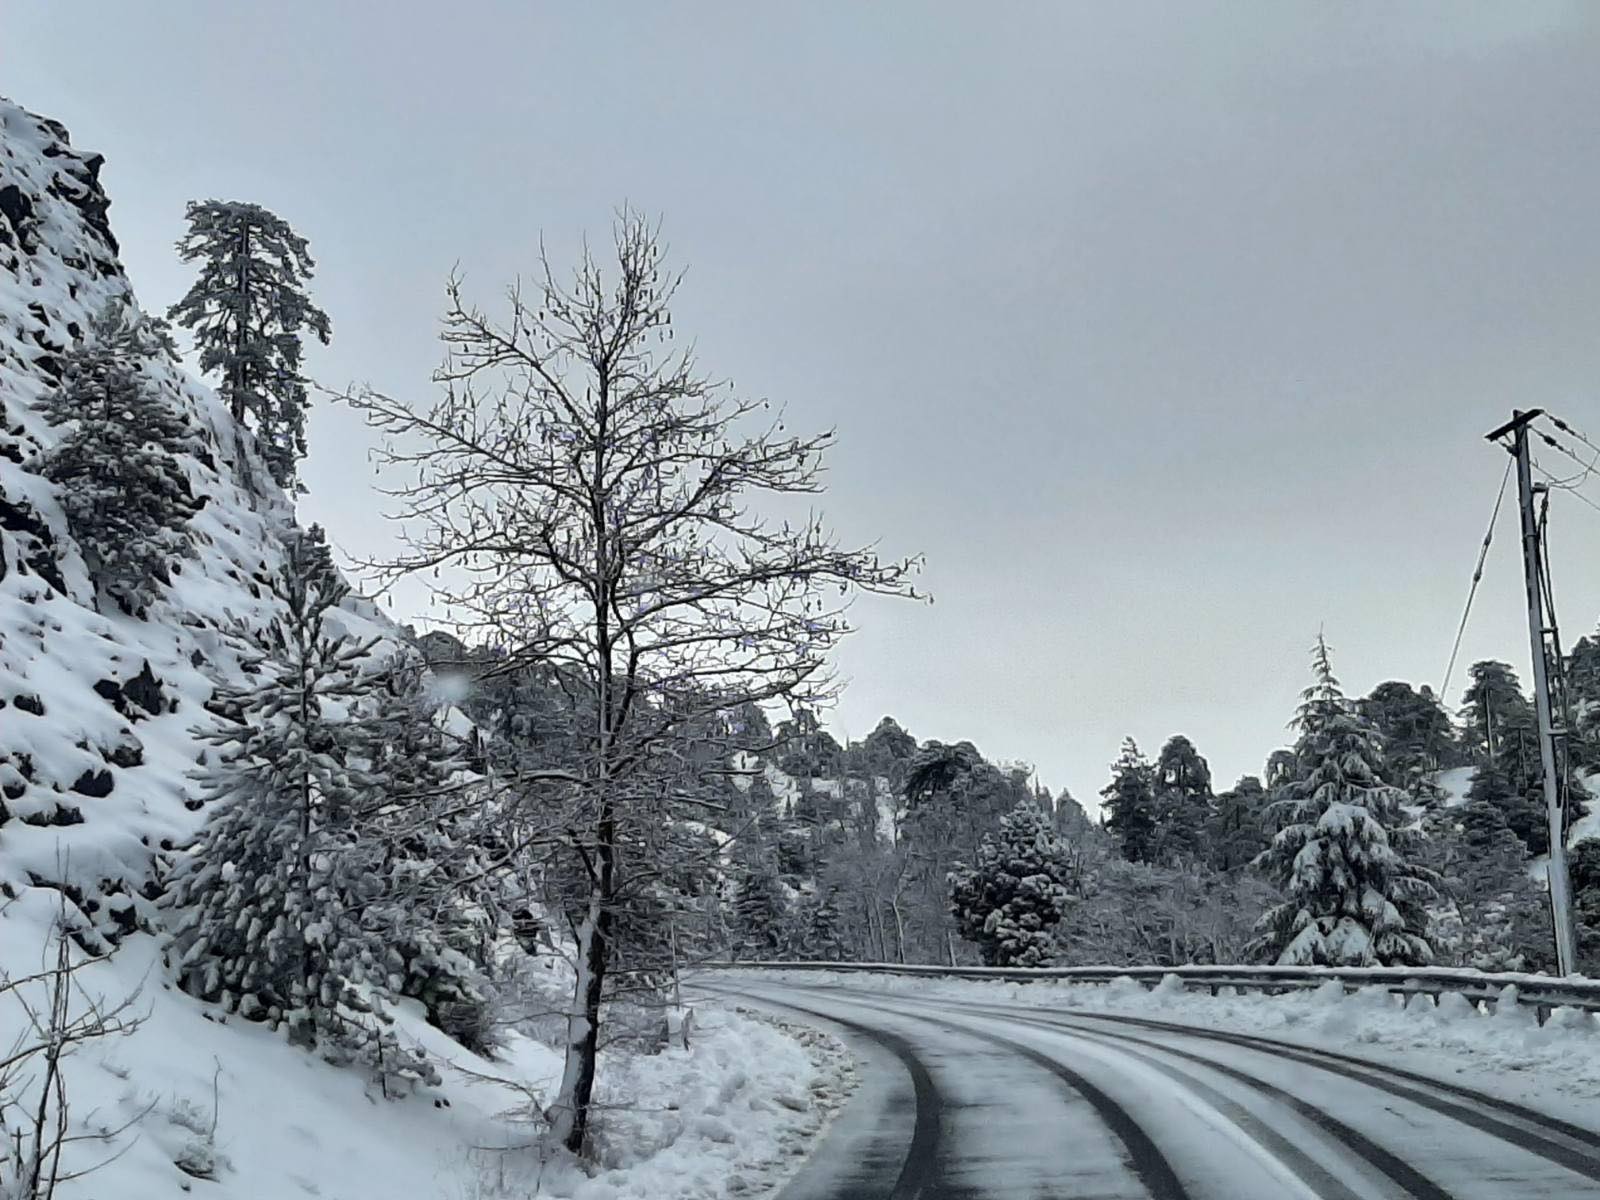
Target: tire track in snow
1569,1147
1305,1169
1386,1163
918,1178
1140,1154
1542,1134
1143,1156
1389,1164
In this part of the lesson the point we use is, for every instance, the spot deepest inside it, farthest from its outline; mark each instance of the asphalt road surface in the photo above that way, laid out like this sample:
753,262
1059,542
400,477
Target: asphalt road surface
962,1102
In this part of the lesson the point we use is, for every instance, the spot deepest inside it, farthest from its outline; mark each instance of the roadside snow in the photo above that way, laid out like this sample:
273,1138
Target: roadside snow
732,1115
1505,1053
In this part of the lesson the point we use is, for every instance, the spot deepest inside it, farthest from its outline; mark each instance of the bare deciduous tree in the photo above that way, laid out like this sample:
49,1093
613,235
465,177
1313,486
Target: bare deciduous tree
56,1014
584,492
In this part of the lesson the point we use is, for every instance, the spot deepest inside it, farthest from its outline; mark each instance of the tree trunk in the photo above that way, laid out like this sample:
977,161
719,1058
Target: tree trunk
570,1119
571,1125
239,386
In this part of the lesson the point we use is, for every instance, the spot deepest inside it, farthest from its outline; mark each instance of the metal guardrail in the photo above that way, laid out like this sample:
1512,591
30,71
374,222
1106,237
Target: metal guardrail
1544,993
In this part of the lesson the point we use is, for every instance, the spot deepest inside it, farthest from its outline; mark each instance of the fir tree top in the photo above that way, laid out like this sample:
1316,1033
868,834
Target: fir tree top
247,309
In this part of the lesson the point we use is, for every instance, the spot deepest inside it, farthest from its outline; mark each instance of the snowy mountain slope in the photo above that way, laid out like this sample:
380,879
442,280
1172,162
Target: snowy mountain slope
729,1116
98,710
97,707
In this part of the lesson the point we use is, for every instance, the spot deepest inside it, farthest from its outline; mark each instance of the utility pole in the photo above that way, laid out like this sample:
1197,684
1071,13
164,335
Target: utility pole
1542,634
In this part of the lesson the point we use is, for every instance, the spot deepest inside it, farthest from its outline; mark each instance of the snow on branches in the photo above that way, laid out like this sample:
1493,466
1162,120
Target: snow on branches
1343,852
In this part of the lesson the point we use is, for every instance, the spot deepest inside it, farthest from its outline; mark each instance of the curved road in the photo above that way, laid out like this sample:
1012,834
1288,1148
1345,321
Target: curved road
994,1102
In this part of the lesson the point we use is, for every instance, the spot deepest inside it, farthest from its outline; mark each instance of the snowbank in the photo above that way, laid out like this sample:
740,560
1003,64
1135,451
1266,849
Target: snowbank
263,1120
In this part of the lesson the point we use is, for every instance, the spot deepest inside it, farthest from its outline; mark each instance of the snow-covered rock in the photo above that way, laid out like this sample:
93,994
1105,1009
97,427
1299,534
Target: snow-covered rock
97,707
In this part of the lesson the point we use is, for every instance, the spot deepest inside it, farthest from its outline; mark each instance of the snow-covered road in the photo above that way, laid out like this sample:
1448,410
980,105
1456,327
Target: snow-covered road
1000,1101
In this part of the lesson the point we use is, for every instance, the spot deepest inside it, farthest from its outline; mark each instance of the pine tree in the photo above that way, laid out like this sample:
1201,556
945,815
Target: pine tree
1417,735
1011,900
760,911
125,494
889,751
247,311
271,898
1497,719
1353,898
1520,801
1584,865
1502,919
1071,822
807,751
1238,829
818,934
1130,804
1183,802
431,908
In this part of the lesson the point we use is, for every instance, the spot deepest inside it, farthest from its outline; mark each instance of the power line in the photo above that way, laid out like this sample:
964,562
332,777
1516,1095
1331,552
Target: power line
1477,577
1566,487
1565,428
1588,467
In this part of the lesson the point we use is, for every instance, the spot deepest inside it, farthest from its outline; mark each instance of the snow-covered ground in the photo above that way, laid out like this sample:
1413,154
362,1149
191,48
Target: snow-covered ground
1506,1053
731,1115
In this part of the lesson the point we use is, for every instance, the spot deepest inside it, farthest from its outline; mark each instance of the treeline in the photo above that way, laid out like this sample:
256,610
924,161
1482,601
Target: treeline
1346,849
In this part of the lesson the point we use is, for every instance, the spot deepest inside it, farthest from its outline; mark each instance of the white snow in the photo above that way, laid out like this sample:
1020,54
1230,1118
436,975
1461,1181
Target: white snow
1506,1052
1455,784
1587,825
742,1103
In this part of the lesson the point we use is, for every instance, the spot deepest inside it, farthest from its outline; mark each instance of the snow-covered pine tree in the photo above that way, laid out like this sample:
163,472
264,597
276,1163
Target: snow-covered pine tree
1506,915
1584,864
1353,895
1130,801
126,496
270,899
435,908
247,311
1012,899
1519,795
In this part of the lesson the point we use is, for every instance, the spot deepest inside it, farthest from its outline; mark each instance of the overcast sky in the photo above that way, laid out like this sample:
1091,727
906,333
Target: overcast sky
1169,332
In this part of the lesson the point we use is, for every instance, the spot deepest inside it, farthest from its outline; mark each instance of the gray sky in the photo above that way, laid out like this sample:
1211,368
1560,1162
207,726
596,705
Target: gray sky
1169,332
